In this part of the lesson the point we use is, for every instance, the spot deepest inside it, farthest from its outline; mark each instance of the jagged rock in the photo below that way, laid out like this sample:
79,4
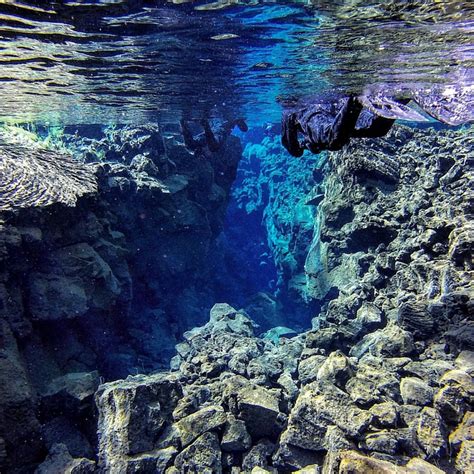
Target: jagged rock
259,408
383,441
335,440
132,414
368,318
204,455
60,460
336,369
415,392
465,362
391,341
206,419
451,402
385,414
235,436
352,462
317,407
70,393
465,457
225,318
464,432
415,318
258,456
286,382
308,368
430,369
363,390
431,433
291,457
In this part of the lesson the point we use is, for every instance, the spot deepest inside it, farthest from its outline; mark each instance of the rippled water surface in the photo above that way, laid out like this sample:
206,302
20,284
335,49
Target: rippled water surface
133,61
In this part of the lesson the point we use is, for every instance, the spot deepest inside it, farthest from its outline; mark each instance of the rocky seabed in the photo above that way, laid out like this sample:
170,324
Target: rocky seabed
382,382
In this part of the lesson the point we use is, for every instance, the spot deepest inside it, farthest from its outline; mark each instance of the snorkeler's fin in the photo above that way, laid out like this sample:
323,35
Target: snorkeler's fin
453,105
389,108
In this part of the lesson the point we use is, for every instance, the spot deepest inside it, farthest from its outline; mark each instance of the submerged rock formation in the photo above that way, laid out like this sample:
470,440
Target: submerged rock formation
102,289
384,380
236,403
34,176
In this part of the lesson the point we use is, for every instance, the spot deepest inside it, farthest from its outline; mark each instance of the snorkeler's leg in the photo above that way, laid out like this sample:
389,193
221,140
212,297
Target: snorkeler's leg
240,122
211,141
188,136
289,134
344,124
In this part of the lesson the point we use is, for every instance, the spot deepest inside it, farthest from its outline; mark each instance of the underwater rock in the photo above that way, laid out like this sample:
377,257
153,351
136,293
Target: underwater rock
431,433
204,455
388,270
194,425
60,460
41,177
235,437
132,414
415,392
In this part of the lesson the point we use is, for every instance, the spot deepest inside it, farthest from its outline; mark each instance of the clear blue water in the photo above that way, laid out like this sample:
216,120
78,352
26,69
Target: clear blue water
119,61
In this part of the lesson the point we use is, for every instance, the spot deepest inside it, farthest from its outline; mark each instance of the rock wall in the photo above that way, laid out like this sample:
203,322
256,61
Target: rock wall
384,380
103,289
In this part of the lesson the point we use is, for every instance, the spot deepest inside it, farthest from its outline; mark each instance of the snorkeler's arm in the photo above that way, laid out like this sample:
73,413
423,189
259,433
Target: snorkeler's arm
188,136
211,141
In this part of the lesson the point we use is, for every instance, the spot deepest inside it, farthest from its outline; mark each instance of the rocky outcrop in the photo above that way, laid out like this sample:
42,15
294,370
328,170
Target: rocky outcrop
383,380
102,285
234,403
34,176
391,243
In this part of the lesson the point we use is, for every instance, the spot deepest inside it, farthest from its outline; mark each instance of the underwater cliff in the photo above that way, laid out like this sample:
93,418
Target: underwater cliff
236,237
377,237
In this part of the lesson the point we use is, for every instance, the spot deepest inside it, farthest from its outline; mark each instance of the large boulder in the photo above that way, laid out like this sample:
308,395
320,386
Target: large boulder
132,415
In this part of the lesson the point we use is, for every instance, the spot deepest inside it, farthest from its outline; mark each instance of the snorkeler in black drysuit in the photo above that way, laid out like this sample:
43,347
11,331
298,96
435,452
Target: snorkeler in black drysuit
213,141
328,122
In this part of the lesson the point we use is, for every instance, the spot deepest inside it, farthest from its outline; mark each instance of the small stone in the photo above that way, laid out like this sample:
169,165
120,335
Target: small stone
308,368
336,369
391,341
286,382
415,392
383,441
203,456
431,433
236,436
465,362
464,432
335,439
206,419
259,408
289,457
460,379
385,414
258,456
363,391
451,403
465,458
